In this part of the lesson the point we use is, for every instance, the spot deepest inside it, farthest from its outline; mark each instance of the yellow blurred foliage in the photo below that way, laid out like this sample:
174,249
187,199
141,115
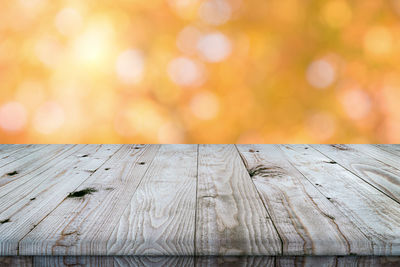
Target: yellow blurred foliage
199,71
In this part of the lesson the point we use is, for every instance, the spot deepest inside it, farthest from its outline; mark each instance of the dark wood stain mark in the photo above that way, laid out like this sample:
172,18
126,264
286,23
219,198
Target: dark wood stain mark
341,147
82,193
264,171
331,162
12,173
5,221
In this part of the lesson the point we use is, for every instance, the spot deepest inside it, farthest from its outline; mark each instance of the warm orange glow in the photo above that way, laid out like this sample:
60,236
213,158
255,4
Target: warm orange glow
199,71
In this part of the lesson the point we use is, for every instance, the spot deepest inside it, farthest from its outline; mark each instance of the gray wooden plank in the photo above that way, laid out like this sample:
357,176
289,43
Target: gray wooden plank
241,261
307,222
83,225
378,154
332,261
380,175
112,261
22,170
15,152
375,214
231,219
160,218
25,206
12,261
393,148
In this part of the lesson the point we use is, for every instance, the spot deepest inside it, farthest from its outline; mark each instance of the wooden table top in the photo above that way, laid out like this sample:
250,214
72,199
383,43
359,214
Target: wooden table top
184,200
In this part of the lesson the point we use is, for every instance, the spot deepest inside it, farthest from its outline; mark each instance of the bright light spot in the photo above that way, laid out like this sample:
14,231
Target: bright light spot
321,126
337,13
215,12
181,3
12,116
93,46
205,105
214,47
320,74
170,133
185,72
184,8
356,103
49,118
29,4
48,51
129,66
187,40
68,21
378,41
141,118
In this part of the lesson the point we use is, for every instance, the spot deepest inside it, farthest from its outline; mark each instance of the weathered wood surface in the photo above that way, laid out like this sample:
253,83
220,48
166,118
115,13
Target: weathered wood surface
199,200
307,221
375,214
201,261
231,219
377,173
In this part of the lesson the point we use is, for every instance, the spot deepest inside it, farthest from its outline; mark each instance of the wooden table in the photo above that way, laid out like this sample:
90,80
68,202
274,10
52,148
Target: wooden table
204,200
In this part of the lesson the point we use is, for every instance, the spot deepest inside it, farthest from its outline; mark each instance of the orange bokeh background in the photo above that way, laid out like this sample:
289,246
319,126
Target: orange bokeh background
199,71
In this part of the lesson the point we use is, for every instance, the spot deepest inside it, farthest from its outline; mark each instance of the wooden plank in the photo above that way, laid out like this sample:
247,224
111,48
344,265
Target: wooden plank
15,152
25,206
160,218
83,225
22,170
375,214
231,219
243,261
307,222
394,149
12,261
379,154
112,261
332,261
380,175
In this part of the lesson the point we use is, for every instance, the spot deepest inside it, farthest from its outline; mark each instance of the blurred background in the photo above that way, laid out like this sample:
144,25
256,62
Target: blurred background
199,71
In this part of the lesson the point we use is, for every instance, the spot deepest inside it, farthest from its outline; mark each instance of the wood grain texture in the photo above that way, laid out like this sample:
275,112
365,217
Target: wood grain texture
14,152
160,217
394,149
112,261
204,205
171,261
26,205
378,154
12,261
382,176
307,222
83,225
231,219
242,261
375,214
18,172
331,261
